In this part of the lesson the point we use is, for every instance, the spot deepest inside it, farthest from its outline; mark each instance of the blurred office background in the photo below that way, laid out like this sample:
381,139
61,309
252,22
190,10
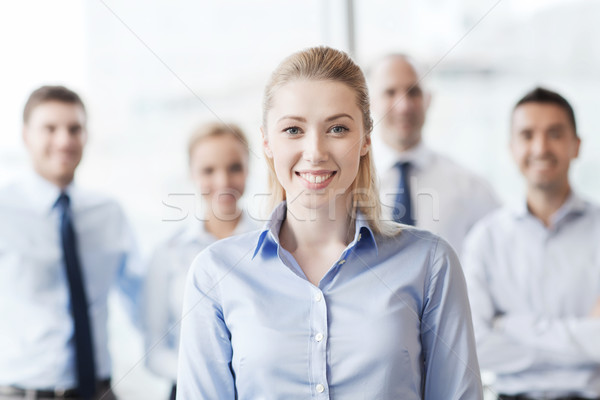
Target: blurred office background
150,71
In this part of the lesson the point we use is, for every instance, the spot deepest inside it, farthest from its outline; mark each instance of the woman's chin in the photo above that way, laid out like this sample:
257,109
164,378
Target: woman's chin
225,207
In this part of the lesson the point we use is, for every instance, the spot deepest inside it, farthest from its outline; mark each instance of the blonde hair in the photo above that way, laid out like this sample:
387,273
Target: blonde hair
215,129
327,64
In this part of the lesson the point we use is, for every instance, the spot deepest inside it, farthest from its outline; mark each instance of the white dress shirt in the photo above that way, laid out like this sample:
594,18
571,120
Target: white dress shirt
163,292
447,199
531,289
36,328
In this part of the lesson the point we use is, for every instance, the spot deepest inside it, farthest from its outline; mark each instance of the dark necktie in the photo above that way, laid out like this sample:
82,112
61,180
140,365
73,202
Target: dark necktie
86,371
402,212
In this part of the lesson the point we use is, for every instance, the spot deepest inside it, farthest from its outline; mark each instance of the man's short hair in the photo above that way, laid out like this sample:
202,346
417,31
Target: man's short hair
545,96
45,94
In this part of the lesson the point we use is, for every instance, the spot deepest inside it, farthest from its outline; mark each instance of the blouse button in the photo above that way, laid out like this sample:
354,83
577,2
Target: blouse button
318,297
320,388
319,337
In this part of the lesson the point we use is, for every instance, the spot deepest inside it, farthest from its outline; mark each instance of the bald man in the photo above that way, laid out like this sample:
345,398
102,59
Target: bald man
419,186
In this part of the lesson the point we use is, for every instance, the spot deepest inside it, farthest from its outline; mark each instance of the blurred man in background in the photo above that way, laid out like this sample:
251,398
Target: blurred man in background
419,186
533,271
61,249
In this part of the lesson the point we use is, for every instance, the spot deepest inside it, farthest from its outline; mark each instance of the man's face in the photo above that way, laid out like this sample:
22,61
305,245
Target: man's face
55,135
543,143
399,103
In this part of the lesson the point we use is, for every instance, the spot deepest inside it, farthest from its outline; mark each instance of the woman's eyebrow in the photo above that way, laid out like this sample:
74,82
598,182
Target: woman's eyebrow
301,119
337,116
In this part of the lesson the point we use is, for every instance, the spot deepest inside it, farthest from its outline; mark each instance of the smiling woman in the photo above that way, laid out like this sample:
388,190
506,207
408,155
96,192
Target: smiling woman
315,152
326,301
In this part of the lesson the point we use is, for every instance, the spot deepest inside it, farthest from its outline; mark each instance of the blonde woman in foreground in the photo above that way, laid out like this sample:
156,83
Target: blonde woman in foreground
327,301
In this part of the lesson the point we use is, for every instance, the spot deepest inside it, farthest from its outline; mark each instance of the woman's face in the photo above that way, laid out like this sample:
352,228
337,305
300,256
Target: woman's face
315,137
219,167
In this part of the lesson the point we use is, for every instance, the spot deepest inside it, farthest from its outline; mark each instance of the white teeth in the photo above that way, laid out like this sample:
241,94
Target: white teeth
315,178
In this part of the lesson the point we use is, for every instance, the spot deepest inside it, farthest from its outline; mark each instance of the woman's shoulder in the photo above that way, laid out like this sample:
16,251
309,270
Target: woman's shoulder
406,236
172,242
224,253
418,245
236,242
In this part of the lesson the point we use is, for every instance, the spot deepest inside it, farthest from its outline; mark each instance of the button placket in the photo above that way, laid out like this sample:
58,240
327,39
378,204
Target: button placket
318,345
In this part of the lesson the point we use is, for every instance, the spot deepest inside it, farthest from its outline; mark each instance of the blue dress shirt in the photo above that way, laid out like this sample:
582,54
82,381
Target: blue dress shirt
389,320
532,289
36,328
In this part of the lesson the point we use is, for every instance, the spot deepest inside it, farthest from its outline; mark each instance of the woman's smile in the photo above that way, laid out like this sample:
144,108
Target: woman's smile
316,180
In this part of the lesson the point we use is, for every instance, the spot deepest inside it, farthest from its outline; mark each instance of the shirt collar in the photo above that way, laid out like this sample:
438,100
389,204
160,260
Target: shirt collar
574,205
363,235
419,156
43,194
196,231
272,226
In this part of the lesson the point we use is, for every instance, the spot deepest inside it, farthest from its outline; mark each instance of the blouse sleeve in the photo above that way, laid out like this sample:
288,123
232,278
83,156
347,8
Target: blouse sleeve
451,370
205,352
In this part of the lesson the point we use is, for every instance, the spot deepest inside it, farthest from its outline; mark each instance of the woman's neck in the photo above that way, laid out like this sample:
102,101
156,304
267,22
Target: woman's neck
310,228
221,226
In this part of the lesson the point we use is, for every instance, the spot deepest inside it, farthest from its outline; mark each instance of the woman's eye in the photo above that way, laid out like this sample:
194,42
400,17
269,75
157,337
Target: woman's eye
338,129
236,168
292,130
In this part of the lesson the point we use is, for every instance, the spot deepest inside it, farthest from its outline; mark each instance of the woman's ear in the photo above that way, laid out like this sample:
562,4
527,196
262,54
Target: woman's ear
365,146
265,143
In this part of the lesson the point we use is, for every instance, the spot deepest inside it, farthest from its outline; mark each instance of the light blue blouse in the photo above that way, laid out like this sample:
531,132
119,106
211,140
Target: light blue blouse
389,320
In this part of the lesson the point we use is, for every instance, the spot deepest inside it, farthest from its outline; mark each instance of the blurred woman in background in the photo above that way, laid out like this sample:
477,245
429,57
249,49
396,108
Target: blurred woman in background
218,162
